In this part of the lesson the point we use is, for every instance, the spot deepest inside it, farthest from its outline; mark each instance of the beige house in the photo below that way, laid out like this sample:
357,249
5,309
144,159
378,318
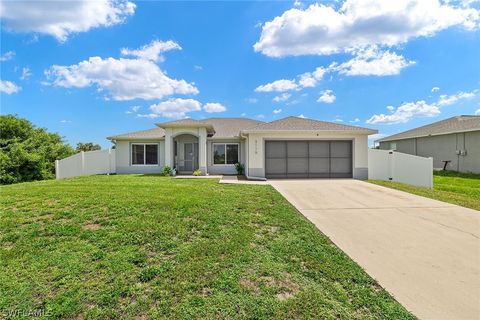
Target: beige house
454,142
291,147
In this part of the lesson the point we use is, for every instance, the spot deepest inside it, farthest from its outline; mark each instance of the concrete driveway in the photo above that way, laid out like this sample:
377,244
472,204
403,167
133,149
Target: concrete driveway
426,253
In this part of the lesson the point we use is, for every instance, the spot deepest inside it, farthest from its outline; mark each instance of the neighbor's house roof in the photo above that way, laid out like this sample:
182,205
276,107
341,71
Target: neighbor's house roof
302,124
455,124
233,127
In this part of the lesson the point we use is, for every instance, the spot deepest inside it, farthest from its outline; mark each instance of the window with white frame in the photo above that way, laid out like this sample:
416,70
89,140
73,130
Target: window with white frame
144,154
225,153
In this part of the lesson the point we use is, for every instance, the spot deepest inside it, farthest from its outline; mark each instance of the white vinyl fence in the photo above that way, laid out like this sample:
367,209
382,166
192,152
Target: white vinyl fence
400,167
86,163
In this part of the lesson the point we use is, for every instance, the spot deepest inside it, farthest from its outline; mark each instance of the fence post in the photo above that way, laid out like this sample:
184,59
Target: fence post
57,169
431,171
82,159
109,161
391,167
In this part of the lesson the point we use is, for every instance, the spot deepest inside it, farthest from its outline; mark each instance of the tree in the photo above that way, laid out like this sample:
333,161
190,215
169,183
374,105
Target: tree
28,153
89,146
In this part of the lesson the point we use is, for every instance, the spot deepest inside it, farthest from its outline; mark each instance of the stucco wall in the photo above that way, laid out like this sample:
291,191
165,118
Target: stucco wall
123,158
224,169
444,147
256,146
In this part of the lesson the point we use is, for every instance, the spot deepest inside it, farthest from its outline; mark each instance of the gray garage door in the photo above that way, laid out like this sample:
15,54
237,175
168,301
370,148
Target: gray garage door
308,159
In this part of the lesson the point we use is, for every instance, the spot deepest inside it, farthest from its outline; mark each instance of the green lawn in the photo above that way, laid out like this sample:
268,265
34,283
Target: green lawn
457,188
154,247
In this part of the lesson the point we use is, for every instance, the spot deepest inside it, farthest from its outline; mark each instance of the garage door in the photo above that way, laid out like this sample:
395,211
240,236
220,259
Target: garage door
308,159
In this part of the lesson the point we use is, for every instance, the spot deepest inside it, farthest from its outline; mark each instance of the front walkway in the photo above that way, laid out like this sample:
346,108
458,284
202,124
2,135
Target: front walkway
426,253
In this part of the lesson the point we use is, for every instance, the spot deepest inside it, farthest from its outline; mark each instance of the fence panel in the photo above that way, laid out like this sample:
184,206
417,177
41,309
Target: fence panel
400,167
86,163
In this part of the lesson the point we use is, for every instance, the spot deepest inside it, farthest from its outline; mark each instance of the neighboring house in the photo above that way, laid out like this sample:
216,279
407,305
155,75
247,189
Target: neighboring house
456,139
291,147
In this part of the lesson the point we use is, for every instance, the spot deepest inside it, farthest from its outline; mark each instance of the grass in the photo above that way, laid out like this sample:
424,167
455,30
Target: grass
137,247
458,188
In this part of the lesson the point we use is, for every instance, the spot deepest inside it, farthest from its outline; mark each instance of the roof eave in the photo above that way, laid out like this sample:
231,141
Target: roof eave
386,139
355,131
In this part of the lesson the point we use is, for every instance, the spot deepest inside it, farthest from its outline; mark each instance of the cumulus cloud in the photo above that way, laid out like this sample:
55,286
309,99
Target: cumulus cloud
435,89
214,107
326,96
26,73
373,62
405,112
323,30
282,97
152,51
277,111
121,79
62,18
477,112
7,55
354,120
133,109
175,108
278,86
8,87
420,108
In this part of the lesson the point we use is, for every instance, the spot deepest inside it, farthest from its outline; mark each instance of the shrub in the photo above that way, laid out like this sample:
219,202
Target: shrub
240,168
197,173
167,170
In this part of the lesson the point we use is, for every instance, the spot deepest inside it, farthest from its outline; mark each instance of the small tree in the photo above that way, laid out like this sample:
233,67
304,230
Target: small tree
89,146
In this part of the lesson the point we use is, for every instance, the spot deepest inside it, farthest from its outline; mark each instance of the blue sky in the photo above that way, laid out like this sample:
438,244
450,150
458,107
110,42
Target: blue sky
383,66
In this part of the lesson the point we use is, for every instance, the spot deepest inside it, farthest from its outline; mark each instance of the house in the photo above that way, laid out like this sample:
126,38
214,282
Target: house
456,140
291,147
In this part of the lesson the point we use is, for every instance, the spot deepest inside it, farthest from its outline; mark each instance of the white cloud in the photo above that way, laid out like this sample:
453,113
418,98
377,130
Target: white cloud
148,115
243,114
122,79
326,96
301,116
277,111
477,112
65,121
435,89
214,107
175,108
373,62
62,18
8,87
152,51
198,68
446,100
278,86
7,56
282,97
390,108
297,3
322,30
133,109
355,120
406,112
26,73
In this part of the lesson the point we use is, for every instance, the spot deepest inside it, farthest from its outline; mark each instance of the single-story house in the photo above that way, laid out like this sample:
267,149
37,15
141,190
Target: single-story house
456,140
291,147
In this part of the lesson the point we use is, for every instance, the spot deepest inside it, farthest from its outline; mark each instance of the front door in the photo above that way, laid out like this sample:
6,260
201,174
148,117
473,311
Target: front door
189,156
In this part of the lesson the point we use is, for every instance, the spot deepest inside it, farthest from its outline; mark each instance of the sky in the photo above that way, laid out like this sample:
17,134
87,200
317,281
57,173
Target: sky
91,69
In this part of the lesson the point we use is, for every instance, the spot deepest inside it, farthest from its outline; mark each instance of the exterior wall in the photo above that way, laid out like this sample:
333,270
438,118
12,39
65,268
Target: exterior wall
124,154
444,147
256,147
224,169
201,133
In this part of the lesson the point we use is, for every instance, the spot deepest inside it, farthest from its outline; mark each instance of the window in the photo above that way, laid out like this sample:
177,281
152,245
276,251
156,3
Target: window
144,154
225,153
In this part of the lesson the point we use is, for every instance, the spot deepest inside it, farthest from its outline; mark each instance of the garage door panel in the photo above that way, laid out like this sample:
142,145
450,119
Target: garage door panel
297,149
276,166
341,149
275,149
319,149
319,165
297,166
341,166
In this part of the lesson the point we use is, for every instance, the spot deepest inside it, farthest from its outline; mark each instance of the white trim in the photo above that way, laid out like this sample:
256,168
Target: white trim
225,144
144,154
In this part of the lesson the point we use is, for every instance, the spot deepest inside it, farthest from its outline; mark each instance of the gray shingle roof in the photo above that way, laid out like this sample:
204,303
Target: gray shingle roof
230,127
182,122
155,133
451,125
302,124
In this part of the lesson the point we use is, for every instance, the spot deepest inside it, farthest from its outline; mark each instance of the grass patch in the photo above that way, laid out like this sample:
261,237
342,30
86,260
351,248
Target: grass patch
133,247
458,188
